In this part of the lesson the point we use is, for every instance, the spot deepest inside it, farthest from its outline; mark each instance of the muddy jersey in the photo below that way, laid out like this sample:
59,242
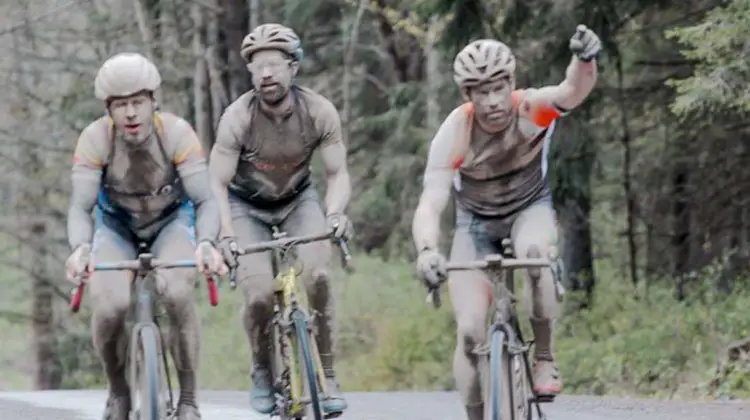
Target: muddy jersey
493,174
274,156
140,185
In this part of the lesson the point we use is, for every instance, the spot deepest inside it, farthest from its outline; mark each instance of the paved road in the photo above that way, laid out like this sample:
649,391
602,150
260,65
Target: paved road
216,405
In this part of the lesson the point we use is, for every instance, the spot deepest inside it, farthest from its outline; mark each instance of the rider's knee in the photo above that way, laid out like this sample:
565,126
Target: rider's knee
109,310
539,249
319,278
179,298
177,288
258,291
257,310
318,286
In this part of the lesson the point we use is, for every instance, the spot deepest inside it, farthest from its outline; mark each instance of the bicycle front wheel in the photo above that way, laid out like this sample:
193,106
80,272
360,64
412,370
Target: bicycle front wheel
499,385
145,376
309,373
521,388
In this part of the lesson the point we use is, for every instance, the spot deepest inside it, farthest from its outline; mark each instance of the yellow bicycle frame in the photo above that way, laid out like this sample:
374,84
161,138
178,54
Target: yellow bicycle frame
286,284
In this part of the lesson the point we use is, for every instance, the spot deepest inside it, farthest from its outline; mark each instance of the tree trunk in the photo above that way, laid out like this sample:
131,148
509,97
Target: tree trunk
350,42
201,85
571,165
432,54
216,63
47,368
235,21
681,236
255,13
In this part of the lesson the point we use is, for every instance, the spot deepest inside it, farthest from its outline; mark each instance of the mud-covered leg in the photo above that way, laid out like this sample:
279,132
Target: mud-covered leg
470,293
176,242
308,219
110,297
534,235
255,278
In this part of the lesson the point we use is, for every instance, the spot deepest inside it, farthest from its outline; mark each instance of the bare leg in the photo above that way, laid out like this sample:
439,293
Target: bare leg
255,278
470,295
534,236
308,219
176,241
110,297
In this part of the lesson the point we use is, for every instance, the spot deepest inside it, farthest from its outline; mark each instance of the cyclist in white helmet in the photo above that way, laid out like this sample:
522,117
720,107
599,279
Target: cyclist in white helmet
489,151
260,166
146,174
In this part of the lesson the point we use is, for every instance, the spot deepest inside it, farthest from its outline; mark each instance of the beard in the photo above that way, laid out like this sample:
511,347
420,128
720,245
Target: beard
274,96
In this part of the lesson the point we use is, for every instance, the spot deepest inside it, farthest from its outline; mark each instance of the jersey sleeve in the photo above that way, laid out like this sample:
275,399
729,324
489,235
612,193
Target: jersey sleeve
228,139
187,155
541,114
447,149
92,148
327,122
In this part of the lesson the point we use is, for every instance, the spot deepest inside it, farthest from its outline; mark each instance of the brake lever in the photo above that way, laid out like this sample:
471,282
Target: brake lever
433,297
233,278
346,256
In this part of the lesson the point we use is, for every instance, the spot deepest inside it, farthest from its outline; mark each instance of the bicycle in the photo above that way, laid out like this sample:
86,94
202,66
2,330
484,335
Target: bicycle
506,351
150,384
296,367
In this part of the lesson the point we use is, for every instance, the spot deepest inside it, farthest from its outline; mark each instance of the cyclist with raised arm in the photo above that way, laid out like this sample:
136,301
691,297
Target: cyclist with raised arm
260,168
490,152
146,174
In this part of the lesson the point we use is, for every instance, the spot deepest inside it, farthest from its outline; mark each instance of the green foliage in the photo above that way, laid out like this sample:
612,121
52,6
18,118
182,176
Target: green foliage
719,46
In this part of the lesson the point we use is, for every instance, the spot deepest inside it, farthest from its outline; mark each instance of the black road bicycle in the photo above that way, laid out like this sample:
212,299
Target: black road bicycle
506,377
148,372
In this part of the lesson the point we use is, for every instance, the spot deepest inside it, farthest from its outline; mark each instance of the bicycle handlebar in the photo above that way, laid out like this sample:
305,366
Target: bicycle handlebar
144,262
294,240
490,261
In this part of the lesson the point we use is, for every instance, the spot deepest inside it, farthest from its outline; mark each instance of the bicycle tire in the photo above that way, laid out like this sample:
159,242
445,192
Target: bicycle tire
497,349
520,389
303,340
147,372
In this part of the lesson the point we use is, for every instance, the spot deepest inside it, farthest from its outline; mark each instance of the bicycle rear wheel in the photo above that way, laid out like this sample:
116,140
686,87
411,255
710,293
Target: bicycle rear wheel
145,377
309,373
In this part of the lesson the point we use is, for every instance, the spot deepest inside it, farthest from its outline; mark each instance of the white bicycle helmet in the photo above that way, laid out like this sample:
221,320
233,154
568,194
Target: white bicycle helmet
484,60
271,36
125,74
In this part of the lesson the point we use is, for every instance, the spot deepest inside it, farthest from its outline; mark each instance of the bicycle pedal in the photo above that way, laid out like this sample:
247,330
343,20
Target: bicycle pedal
544,399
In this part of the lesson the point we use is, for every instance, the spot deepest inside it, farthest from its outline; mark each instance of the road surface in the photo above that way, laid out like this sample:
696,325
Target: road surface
230,405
